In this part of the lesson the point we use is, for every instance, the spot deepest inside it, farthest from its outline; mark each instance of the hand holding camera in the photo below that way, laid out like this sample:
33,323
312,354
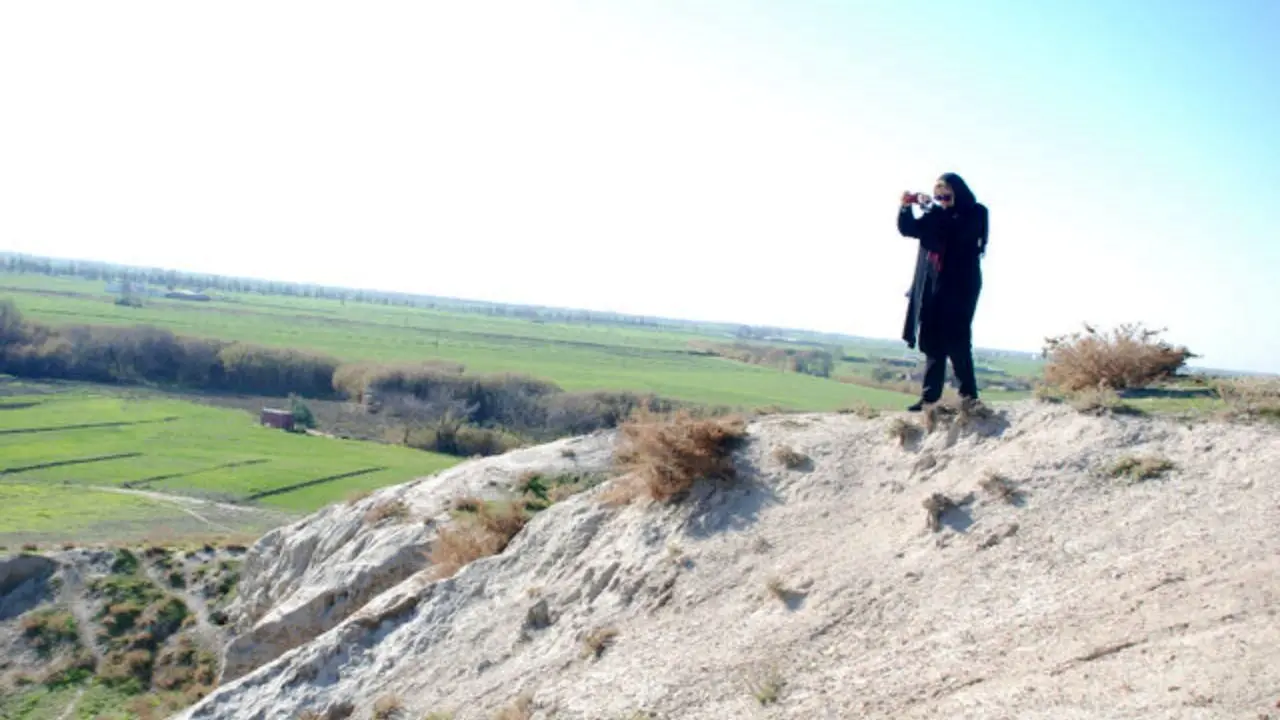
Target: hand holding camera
911,198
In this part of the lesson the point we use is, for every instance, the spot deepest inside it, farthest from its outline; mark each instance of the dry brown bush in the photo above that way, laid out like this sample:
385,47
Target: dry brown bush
935,506
667,455
1130,356
387,707
860,409
387,509
905,431
1138,468
482,533
789,457
1251,397
1000,487
520,709
597,641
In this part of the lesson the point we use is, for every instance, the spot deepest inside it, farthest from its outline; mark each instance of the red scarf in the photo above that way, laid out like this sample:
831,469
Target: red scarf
935,259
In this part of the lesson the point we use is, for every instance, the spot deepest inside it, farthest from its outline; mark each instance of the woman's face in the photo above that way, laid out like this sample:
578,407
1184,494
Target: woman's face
943,195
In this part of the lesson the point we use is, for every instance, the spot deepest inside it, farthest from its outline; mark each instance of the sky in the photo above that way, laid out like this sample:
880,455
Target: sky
731,160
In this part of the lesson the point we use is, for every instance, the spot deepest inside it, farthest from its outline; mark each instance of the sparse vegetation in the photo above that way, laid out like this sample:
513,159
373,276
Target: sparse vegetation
667,455
542,491
789,458
935,506
777,588
1000,487
862,410
393,509
1141,468
597,641
388,707
1130,356
471,536
49,630
767,686
1251,398
519,709
905,432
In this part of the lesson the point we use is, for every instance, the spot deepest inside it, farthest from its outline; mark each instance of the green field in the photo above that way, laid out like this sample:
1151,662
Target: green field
65,457
578,356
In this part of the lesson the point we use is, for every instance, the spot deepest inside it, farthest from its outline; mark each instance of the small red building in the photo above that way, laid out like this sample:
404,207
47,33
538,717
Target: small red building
276,418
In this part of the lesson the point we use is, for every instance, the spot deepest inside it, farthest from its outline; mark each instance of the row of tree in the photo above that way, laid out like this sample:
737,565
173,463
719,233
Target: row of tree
818,363
461,413
204,282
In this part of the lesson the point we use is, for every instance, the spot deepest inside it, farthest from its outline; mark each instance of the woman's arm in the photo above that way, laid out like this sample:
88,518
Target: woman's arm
921,228
908,225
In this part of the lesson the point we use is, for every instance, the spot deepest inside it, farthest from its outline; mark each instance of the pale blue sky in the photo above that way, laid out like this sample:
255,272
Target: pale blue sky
730,160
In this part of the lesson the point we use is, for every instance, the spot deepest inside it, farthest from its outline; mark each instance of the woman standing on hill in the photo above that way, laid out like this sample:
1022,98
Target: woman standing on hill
944,294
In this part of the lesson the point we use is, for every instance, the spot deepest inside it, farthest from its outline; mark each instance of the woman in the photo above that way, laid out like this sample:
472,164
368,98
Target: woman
953,238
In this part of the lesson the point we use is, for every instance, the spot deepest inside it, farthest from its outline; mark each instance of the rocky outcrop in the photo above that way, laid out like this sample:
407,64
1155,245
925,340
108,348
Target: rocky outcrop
301,580
24,583
1049,584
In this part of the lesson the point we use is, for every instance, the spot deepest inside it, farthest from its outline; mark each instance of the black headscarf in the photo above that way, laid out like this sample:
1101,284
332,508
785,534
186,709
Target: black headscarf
964,199
964,196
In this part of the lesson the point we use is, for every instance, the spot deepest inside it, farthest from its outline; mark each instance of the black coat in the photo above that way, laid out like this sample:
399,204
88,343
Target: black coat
941,302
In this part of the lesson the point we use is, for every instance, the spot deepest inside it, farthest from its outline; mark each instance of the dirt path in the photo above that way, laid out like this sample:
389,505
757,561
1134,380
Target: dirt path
72,597
189,506
71,706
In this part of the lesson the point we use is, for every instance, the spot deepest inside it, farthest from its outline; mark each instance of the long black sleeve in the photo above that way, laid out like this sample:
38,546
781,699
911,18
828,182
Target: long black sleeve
924,229
908,225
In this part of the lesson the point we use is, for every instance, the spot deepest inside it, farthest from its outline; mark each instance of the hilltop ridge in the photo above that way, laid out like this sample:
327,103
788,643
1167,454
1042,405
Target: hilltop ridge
1041,563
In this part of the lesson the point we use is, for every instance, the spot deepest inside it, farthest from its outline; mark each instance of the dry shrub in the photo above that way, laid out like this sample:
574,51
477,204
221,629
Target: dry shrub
1130,356
387,509
905,431
485,532
789,458
1139,469
597,641
1097,401
387,707
1047,394
1000,487
935,506
1251,397
667,455
766,687
520,709
46,630
862,410
467,504
778,589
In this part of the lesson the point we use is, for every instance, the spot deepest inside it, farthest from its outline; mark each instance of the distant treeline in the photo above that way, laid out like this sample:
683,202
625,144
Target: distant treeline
440,406
814,362
130,276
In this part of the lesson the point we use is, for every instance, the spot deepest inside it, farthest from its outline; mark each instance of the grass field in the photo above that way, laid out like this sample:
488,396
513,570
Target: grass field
65,457
575,356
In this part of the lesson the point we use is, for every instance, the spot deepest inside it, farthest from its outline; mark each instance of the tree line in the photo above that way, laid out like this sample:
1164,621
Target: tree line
440,405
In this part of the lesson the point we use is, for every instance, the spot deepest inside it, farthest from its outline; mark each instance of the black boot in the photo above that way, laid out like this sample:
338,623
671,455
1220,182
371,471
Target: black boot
917,407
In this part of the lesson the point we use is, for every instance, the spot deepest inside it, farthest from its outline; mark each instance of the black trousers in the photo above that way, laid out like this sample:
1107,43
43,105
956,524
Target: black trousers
946,333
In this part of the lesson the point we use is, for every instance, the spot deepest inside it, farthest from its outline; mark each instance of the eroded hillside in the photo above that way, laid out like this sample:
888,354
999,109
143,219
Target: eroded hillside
1040,564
